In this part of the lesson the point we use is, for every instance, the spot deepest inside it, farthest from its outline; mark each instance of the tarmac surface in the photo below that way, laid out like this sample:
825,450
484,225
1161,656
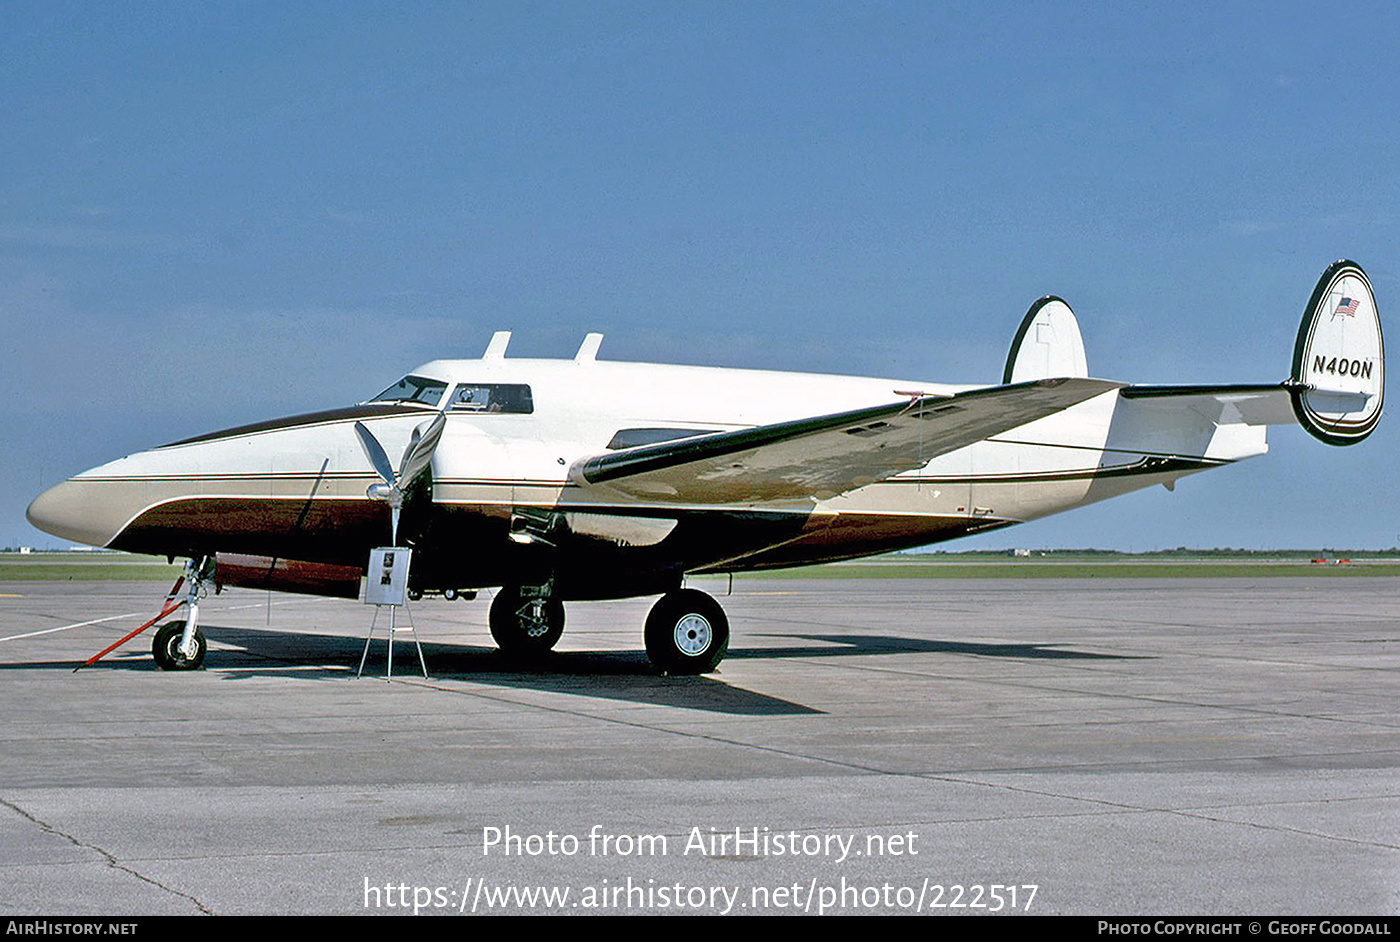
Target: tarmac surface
1124,747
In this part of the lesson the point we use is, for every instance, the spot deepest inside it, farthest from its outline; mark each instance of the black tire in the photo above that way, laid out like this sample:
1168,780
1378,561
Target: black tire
525,627
166,648
687,633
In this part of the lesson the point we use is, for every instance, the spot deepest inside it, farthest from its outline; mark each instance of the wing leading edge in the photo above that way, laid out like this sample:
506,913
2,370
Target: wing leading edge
823,456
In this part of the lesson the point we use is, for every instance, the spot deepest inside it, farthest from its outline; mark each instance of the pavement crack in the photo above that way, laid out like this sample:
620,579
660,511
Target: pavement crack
109,858
1129,808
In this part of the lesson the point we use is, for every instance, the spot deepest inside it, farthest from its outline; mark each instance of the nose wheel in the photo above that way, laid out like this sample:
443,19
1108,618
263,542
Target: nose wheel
167,648
687,633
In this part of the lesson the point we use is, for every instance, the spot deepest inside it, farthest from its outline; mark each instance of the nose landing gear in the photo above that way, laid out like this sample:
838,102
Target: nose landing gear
180,645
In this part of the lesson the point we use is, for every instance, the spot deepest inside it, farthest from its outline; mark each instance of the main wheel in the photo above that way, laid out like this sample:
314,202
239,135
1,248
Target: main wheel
525,627
687,633
166,648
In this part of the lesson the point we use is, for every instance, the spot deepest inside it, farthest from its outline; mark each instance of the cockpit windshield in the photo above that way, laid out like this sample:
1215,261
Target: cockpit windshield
413,389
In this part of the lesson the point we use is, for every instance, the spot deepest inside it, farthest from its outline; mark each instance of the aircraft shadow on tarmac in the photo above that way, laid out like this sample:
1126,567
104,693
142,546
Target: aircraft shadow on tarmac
244,653
864,644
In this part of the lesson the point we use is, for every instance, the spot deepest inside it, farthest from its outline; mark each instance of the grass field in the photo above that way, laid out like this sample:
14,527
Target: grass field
121,567
85,567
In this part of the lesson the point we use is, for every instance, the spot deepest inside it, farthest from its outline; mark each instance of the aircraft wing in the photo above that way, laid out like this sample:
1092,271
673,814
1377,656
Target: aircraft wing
826,455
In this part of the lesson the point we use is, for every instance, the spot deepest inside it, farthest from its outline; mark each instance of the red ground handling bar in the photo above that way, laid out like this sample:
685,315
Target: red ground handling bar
171,604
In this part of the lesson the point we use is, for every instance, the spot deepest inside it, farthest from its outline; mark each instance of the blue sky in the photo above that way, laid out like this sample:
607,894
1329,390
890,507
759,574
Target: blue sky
214,213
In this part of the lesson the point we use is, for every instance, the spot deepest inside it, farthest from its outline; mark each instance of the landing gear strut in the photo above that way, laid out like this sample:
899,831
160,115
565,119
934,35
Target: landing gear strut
526,624
180,645
687,633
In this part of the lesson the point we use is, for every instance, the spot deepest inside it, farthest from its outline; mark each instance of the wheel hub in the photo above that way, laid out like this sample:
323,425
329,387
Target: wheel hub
534,620
693,634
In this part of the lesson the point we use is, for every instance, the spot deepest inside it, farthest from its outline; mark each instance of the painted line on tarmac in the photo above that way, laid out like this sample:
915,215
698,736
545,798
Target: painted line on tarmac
81,624
98,621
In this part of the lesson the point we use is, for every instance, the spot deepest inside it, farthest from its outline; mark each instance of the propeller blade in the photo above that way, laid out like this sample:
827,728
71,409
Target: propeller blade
419,453
375,453
414,437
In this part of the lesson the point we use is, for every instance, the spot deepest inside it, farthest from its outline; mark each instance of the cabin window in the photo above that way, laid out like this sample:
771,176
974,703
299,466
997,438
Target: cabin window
413,389
493,397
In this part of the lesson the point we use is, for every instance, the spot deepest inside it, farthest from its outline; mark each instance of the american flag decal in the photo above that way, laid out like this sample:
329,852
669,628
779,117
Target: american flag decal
1347,307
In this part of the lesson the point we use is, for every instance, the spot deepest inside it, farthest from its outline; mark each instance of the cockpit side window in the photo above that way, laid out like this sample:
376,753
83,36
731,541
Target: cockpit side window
493,397
413,389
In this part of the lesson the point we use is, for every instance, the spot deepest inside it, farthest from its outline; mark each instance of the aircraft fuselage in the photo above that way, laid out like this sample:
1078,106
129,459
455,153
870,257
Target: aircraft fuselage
295,488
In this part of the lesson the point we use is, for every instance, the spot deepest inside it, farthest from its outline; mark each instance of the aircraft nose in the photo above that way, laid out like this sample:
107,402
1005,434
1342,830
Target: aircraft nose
67,510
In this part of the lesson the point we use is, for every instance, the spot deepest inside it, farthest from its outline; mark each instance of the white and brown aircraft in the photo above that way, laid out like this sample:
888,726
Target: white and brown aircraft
587,479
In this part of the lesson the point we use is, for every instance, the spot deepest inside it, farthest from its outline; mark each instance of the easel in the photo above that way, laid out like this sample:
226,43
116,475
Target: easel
387,586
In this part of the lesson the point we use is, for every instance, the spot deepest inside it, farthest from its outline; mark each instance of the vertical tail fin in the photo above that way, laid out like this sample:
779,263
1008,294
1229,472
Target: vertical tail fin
1047,345
1338,379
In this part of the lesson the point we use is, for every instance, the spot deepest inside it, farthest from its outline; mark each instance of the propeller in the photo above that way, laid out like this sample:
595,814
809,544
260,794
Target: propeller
417,456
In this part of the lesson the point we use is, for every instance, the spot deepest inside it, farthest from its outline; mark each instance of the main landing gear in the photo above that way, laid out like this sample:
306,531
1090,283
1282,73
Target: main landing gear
686,633
526,623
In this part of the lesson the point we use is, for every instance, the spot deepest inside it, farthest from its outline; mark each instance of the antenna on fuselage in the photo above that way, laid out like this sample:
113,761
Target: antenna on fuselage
496,349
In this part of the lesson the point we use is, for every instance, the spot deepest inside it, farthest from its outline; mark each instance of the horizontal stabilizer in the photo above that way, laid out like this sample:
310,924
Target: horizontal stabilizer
822,456
1338,377
1224,405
